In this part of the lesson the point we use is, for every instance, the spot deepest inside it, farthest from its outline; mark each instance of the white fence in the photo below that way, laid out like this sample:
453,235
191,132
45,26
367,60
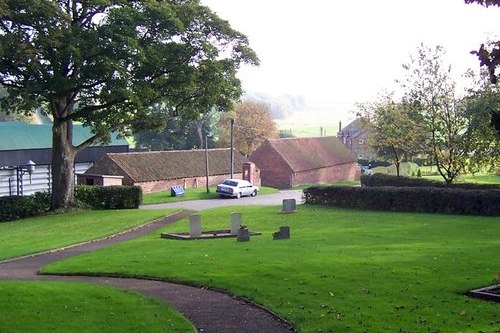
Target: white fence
17,181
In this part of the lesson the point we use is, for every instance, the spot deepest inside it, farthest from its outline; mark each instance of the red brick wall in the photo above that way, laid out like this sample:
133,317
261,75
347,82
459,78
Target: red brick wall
326,175
274,171
195,182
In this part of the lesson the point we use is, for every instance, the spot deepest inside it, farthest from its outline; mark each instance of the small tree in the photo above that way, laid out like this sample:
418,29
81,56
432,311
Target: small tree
431,92
252,126
394,132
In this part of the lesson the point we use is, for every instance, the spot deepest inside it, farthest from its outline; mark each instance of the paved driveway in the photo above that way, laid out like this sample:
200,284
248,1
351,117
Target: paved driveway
267,199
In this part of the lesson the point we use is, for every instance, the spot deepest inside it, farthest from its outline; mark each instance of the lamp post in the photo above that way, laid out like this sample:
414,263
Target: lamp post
21,170
232,155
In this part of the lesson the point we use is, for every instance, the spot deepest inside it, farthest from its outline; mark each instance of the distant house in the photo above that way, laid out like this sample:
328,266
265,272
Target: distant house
285,163
160,170
22,144
354,136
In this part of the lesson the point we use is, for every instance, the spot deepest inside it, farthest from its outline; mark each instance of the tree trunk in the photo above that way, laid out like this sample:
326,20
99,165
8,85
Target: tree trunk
63,157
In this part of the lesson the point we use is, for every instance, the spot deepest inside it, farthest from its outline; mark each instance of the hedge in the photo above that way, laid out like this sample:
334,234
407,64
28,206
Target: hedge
18,207
379,179
109,197
408,199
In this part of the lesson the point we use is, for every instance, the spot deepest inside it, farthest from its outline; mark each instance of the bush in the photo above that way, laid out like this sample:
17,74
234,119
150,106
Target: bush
408,199
109,197
389,180
18,207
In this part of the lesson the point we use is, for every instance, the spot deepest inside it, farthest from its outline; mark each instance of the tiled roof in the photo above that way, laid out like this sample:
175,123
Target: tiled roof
312,153
162,165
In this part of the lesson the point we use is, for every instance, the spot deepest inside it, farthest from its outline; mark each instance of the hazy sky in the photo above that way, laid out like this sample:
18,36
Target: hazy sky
342,52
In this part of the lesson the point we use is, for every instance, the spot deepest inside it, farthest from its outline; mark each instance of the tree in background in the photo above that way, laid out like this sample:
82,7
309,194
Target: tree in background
484,141
489,57
106,63
432,94
394,132
252,126
177,134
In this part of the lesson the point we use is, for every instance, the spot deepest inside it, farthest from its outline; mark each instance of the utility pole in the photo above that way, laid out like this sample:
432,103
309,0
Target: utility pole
232,155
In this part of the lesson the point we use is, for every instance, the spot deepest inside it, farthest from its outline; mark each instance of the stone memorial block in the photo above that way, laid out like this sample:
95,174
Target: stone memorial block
289,206
243,235
194,225
235,223
283,233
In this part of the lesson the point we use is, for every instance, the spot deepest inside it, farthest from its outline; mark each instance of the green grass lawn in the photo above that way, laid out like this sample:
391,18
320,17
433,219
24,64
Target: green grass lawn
77,307
341,271
38,234
190,194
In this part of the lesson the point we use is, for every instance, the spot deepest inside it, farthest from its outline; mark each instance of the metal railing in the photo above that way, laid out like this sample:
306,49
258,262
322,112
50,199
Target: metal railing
18,181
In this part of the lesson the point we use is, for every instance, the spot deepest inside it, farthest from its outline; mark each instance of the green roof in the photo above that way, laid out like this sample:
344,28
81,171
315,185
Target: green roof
19,136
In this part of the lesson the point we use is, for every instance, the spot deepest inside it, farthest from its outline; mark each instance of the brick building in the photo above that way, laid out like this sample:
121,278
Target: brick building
285,163
159,170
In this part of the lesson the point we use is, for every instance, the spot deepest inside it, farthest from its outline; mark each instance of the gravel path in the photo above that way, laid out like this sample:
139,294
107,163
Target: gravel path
209,311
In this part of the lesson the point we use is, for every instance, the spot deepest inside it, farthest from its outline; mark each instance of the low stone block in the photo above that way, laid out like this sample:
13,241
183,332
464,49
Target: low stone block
283,233
289,206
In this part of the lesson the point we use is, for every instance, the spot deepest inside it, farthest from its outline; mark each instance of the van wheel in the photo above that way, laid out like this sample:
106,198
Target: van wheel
254,193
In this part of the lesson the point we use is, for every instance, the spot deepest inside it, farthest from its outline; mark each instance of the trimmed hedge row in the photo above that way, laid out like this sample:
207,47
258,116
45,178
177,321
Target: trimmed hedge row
380,179
96,197
109,197
18,207
408,199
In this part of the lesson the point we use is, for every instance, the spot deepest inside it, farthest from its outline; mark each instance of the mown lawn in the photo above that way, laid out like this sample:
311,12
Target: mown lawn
35,306
38,234
190,194
341,271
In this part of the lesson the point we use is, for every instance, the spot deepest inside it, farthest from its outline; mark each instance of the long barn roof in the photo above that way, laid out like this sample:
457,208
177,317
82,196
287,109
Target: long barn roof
303,154
163,165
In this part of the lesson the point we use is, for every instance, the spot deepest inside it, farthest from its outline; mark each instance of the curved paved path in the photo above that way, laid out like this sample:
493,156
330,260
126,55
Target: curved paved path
208,310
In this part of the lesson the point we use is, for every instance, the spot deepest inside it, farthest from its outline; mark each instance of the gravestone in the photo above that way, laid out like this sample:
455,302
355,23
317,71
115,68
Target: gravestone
194,225
243,235
289,206
283,233
235,223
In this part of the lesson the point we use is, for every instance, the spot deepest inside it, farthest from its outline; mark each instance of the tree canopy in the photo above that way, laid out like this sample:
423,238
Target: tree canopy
455,136
489,57
105,63
252,126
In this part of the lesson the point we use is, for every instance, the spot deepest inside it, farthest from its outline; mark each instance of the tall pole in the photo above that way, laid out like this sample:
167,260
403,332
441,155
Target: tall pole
206,161
232,155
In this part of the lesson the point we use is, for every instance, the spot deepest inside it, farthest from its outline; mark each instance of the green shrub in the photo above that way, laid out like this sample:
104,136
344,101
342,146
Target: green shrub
109,197
409,199
18,207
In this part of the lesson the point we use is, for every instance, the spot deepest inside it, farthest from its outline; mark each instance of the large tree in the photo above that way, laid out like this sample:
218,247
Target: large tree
489,57
252,126
104,63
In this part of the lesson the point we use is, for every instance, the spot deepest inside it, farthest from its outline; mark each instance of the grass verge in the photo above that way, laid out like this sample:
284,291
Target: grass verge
77,307
341,271
191,194
38,234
